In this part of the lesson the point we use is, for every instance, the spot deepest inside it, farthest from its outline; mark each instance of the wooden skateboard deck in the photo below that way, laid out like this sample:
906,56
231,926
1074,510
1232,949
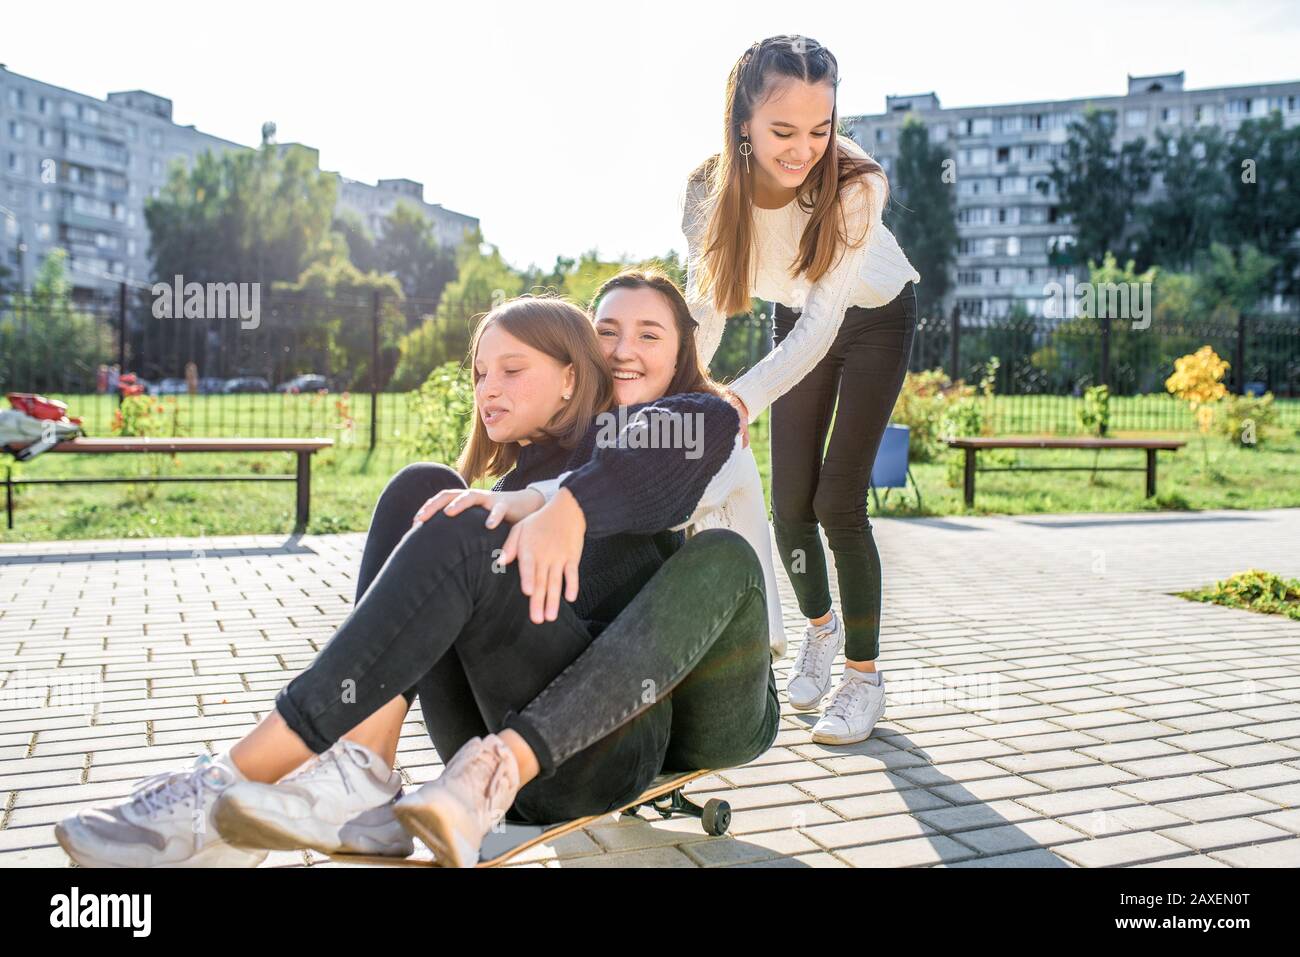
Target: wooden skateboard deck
513,839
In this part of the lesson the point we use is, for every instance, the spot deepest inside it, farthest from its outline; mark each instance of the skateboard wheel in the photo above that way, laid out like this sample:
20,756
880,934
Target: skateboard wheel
716,817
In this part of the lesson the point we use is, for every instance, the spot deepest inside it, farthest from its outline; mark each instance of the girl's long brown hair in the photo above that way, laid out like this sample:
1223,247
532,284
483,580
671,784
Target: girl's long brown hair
690,376
561,330
725,270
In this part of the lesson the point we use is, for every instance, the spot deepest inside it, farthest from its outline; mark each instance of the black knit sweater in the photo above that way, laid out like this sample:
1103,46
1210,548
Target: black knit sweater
630,495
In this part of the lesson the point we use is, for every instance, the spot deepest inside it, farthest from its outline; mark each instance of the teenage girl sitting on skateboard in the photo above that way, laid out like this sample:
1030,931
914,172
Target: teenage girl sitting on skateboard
657,658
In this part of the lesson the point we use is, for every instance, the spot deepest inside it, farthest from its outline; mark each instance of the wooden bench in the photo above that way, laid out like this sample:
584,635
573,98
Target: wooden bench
304,448
972,447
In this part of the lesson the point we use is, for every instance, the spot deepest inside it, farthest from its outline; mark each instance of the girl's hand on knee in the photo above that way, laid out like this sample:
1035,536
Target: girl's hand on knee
436,504
548,545
508,506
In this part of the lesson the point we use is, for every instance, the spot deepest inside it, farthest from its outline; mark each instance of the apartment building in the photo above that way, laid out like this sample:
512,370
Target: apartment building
76,171
1012,235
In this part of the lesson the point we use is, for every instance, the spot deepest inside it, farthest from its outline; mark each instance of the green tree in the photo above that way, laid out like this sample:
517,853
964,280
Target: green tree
1099,185
1233,281
578,279
1071,359
243,216
1188,213
408,249
923,214
589,274
1263,207
332,308
1236,190
483,280
673,266
1188,310
536,279
48,344
361,245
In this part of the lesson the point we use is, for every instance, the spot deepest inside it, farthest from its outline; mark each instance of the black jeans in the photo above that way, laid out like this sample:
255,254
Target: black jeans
434,614
864,367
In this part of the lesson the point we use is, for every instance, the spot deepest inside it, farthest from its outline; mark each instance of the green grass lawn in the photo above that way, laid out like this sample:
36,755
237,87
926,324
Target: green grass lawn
1267,476
347,480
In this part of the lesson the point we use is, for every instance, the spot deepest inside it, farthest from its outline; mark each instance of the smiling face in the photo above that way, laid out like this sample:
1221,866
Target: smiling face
639,340
517,389
789,132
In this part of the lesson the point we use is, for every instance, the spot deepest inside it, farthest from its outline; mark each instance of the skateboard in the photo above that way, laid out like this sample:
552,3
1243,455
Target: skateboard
664,795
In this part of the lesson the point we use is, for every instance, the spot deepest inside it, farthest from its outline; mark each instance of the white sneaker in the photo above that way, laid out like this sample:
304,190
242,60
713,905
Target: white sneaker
454,812
166,822
854,710
810,678
339,802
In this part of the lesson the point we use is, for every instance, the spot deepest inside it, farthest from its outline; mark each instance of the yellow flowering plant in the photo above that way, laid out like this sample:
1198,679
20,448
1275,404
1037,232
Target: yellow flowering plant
1198,381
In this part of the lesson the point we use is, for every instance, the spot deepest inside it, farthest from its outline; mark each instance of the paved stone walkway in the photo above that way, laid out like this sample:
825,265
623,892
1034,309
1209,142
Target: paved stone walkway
1050,703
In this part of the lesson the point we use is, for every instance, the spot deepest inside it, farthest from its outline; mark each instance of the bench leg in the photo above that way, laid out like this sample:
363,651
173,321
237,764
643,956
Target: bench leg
9,497
304,491
915,486
970,478
1151,473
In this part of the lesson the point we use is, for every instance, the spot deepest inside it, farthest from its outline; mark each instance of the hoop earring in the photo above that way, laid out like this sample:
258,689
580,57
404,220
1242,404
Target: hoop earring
745,149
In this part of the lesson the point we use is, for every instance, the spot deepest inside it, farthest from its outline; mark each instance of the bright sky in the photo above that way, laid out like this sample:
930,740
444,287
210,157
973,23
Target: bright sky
566,125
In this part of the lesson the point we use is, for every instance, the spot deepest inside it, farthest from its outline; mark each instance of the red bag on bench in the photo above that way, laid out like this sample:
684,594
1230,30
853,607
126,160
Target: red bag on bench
34,425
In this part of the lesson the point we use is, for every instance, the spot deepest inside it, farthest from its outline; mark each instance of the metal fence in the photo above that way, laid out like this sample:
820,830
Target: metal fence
1043,361
239,375
230,376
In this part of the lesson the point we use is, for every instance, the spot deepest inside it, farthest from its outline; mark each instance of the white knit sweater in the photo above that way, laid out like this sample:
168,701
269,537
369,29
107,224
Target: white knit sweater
733,499
871,275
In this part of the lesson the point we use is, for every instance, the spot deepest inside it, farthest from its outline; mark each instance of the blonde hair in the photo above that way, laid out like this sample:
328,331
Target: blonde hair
561,330
726,274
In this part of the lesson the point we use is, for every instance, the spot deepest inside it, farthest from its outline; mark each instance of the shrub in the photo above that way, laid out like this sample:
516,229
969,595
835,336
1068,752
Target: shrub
346,423
1254,590
443,408
1242,418
143,415
421,350
970,416
962,419
921,406
1094,414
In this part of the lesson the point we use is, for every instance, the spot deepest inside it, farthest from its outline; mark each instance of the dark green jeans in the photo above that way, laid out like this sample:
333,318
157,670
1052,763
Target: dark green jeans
680,680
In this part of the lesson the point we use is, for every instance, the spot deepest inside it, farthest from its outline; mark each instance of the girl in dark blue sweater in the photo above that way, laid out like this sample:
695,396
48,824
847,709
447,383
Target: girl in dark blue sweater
656,659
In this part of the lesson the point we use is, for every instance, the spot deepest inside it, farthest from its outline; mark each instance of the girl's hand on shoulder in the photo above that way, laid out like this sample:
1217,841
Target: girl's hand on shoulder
738,404
548,545
501,506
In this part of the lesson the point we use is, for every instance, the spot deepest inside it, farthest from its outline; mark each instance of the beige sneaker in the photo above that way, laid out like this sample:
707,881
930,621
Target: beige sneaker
453,813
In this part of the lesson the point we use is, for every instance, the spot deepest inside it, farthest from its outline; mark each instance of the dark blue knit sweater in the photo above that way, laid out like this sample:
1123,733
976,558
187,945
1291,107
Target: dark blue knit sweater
631,495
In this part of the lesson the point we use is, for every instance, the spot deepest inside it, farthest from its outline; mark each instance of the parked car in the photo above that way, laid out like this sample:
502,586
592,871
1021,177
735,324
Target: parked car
309,382
210,385
247,384
170,387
